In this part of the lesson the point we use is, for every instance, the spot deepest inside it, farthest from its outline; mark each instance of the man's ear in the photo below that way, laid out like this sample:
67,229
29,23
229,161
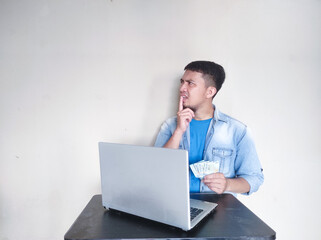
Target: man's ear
211,91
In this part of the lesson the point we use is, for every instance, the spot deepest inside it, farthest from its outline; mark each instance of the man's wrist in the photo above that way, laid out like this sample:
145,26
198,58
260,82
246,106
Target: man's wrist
175,139
237,185
178,132
228,185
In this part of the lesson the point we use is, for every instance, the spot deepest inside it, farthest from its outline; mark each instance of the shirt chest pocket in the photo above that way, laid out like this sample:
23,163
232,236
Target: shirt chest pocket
224,157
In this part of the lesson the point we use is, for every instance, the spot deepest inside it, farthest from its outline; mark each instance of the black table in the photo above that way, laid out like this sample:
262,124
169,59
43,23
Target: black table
230,220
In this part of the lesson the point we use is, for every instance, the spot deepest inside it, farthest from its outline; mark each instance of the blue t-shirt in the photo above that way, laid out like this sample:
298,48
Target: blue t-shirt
198,132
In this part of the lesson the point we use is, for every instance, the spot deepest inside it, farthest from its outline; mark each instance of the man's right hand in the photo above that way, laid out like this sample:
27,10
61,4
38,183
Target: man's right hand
184,117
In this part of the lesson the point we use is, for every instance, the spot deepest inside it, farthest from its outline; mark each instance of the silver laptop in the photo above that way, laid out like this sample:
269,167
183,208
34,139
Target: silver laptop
150,182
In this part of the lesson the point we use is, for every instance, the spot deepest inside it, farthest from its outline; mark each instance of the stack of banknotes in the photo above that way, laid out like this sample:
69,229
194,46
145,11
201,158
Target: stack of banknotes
203,168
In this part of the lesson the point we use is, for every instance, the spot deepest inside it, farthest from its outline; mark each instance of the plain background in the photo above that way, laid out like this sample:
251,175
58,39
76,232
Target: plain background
76,72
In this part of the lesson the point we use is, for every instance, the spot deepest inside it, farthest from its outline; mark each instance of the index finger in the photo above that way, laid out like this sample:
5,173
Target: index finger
180,105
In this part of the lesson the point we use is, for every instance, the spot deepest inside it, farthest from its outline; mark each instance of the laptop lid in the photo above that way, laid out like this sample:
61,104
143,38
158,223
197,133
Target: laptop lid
148,182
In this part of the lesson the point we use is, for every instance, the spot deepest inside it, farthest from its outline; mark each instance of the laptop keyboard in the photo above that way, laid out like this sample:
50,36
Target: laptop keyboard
195,212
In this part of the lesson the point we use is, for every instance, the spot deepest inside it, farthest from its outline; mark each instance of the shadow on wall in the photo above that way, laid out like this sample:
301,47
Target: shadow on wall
162,104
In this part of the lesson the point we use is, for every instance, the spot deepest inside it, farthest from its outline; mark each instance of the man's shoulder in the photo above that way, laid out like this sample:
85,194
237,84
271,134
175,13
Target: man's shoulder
171,120
232,126
230,120
170,123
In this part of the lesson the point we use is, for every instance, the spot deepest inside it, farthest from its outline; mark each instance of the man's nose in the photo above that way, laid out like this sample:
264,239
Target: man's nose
183,87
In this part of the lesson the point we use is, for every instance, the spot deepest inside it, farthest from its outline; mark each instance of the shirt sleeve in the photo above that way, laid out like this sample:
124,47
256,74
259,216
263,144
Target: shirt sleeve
164,134
247,164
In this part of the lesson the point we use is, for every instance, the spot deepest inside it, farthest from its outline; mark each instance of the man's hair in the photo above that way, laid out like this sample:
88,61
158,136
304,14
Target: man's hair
213,73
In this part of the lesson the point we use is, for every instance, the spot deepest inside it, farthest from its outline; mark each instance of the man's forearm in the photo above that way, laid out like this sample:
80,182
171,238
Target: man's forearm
237,185
175,139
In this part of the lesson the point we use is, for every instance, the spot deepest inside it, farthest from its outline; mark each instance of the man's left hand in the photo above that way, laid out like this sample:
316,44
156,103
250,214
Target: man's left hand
217,182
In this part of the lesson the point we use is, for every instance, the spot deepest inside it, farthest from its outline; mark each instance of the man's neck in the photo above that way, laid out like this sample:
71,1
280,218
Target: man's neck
204,113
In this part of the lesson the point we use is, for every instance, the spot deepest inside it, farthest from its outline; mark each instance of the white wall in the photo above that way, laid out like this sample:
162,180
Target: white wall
73,73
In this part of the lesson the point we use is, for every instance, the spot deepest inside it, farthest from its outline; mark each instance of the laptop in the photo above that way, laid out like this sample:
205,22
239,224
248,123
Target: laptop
150,182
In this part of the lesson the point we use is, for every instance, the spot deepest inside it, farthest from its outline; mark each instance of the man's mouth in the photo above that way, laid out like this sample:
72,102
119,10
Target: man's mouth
184,96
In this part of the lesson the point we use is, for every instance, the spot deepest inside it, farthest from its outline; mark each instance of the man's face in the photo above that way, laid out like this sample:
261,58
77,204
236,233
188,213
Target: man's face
193,90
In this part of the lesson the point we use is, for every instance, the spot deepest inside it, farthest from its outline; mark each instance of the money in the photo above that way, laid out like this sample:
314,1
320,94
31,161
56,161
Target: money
203,168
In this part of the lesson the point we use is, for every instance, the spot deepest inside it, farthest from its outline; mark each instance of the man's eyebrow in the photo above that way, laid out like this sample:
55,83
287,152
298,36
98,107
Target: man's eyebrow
182,80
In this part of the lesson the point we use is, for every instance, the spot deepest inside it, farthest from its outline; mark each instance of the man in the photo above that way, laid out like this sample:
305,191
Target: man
210,135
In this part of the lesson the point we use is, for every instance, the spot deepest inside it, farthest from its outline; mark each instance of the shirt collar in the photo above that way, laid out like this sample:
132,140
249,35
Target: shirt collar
219,116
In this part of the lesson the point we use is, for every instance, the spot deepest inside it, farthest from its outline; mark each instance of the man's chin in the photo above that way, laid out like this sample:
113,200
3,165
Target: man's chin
190,107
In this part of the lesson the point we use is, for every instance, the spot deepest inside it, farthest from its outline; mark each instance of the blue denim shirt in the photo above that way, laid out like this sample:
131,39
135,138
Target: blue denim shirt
229,142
